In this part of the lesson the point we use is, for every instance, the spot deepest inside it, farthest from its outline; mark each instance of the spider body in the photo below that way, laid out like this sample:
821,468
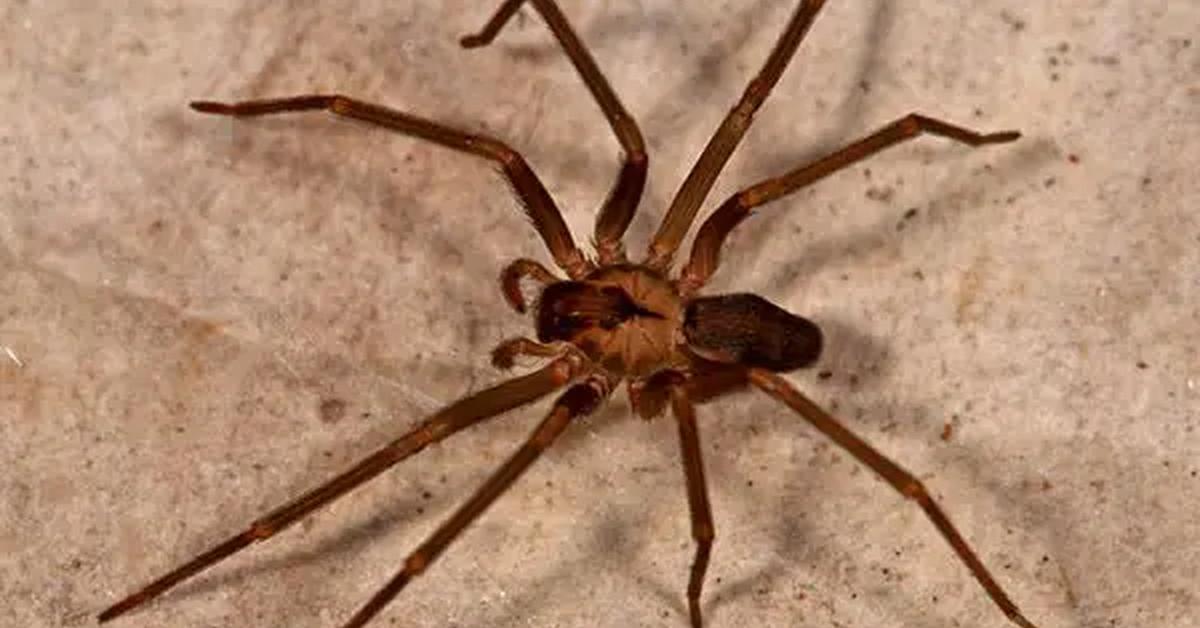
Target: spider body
613,320
632,323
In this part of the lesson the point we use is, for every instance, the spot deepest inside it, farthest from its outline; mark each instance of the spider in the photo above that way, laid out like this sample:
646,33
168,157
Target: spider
613,320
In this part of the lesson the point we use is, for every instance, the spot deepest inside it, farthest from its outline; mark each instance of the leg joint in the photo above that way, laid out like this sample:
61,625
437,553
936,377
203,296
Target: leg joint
499,151
416,563
262,530
913,489
912,124
340,105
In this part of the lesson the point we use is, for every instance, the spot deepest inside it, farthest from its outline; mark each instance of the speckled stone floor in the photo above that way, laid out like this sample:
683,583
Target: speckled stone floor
200,318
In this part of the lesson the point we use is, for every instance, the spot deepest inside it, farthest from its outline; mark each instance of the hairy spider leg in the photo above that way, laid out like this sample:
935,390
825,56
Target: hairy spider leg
617,211
700,179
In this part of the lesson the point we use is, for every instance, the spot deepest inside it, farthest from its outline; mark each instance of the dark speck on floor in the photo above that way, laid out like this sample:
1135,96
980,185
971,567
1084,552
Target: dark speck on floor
332,410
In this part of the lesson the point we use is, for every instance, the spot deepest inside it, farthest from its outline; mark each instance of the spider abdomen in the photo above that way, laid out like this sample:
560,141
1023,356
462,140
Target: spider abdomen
747,329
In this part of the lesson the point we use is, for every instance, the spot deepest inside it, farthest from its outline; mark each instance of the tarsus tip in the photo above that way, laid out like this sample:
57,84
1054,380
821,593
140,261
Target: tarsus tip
208,106
120,608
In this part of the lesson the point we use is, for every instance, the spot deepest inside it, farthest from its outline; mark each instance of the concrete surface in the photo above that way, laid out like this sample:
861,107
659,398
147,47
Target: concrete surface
182,295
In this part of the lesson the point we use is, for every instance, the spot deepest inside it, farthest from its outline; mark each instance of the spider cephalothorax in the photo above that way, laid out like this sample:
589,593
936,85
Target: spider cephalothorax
623,317
613,320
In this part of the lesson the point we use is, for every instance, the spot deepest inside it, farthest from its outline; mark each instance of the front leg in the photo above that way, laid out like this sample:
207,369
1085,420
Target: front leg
511,276
538,204
617,211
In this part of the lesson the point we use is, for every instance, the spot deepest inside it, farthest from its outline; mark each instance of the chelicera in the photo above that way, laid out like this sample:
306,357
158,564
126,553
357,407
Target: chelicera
612,321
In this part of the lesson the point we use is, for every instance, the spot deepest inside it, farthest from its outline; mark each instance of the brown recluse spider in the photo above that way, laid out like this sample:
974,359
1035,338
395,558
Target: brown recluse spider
614,320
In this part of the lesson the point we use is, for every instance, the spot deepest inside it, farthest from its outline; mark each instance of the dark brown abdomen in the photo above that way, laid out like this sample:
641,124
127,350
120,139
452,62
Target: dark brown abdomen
749,330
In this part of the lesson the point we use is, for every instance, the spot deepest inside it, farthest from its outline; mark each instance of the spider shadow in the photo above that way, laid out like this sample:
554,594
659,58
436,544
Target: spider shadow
710,77
851,359
881,235
608,544
848,119
349,539
612,549
790,549
412,223
1060,530
407,504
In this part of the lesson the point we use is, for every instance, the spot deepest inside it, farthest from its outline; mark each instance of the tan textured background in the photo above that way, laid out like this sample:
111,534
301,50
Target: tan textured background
181,294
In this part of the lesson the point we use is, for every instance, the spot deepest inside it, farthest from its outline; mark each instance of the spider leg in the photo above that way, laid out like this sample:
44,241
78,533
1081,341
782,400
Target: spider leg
711,236
704,173
901,480
617,211
511,276
505,354
457,416
649,396
579,400
538,204
697,489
